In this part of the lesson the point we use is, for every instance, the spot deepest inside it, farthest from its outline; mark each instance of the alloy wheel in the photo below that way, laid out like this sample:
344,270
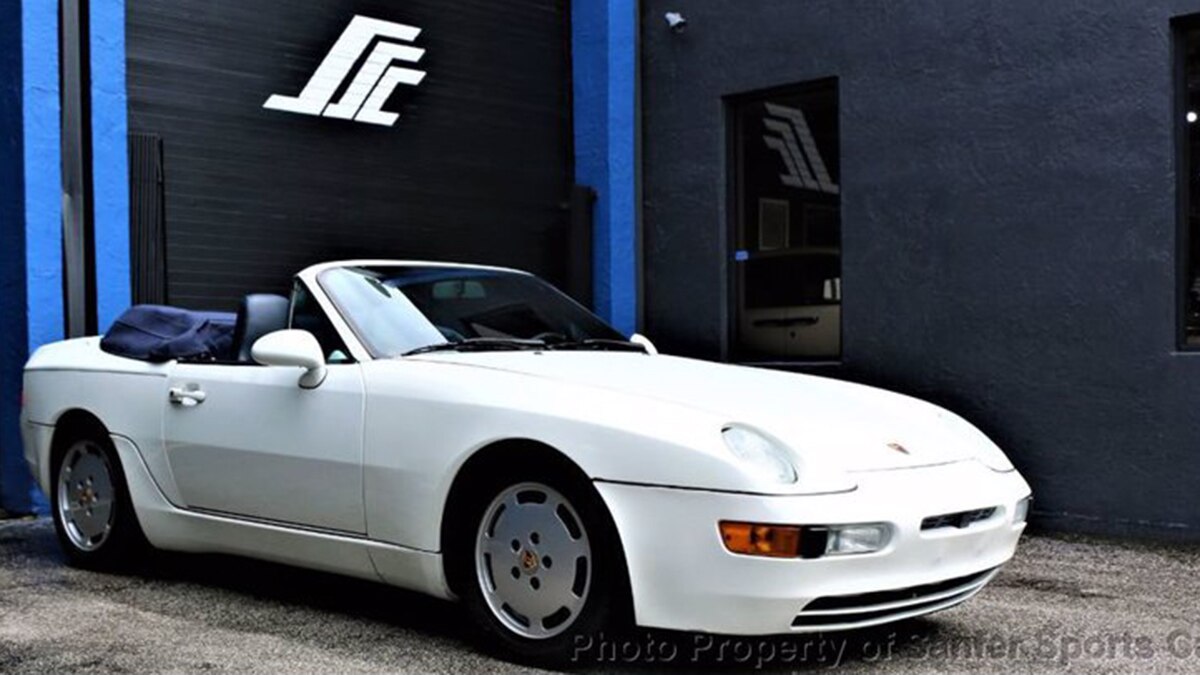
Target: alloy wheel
86,495
533,560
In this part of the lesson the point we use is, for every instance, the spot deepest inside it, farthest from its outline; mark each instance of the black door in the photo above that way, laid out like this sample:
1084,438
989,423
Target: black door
451,143
787,272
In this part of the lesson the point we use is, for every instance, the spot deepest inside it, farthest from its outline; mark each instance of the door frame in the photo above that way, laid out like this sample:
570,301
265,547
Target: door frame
734,206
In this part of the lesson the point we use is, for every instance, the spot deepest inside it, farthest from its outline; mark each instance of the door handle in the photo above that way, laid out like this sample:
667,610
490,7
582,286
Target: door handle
186,397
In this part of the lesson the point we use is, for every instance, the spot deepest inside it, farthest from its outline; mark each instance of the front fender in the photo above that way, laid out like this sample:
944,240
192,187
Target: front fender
425,420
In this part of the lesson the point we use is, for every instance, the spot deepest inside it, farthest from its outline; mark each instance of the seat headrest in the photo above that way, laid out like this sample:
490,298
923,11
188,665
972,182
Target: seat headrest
258,314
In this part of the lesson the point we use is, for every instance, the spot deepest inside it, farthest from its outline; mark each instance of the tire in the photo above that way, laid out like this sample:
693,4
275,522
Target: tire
93,515
538,565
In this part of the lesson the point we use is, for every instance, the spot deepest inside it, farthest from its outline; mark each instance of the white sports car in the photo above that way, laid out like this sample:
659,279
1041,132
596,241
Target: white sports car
471,433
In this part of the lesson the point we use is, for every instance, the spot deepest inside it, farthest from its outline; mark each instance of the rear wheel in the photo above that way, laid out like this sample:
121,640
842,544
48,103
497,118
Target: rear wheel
93,515
538,566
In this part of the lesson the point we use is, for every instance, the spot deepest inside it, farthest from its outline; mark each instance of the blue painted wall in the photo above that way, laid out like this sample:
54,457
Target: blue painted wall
110,159
43,174
31,208
604,65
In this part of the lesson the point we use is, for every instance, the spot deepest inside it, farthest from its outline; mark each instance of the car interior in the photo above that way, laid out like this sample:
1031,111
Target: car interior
257,315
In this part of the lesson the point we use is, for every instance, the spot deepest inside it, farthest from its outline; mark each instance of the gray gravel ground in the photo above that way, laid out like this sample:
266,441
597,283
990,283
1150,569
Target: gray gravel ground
1064,604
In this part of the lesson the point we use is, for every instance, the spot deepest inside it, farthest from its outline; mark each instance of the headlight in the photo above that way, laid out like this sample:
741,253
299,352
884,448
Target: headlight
803,541
761,454
983,448
1021,512
851,539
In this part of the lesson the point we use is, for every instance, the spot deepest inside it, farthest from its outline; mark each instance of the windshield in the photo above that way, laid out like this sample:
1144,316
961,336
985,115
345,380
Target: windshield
395,310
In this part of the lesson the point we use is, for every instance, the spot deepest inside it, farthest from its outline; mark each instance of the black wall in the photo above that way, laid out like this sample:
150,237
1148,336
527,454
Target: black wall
1008,222
14,476
477,168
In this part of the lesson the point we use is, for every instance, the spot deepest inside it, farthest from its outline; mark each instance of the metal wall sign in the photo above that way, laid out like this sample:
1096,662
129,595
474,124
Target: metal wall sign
788,133
299,132
371,84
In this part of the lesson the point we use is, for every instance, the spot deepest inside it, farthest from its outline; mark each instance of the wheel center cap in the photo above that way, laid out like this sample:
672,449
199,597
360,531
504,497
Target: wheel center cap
529,561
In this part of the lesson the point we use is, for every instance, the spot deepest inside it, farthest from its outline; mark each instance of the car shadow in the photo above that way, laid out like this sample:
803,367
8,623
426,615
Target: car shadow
310,605
634,650
312,590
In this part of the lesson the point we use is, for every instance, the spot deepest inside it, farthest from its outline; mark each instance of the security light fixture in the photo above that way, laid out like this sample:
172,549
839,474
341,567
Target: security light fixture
676,22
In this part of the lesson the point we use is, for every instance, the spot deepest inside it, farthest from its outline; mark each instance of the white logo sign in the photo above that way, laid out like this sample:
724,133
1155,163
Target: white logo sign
372,84
792,139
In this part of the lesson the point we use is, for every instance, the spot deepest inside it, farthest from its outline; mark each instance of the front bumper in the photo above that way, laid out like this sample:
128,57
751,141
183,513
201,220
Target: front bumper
683,578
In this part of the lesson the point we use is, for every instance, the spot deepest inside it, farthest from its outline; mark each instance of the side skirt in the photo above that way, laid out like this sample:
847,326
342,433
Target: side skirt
172,528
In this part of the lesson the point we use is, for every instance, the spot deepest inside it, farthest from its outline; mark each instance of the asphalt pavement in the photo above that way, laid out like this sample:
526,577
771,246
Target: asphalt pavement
1065,604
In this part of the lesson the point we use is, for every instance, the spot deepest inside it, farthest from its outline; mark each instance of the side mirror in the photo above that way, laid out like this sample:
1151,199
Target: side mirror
639,339
292,348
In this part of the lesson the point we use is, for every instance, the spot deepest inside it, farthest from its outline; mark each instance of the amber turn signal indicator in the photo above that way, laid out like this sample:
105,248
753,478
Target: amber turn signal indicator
775,541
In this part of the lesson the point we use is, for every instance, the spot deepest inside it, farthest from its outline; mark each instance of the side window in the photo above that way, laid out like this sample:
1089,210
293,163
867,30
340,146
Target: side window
1187,91
308,315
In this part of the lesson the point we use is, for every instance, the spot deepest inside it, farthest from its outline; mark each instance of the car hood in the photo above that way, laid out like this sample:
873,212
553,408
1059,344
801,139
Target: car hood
850,426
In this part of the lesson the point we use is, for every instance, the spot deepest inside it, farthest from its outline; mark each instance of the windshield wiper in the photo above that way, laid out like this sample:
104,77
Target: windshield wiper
478,344
599,344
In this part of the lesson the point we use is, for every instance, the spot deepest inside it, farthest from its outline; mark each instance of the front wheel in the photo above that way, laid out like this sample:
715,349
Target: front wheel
93,514
544,570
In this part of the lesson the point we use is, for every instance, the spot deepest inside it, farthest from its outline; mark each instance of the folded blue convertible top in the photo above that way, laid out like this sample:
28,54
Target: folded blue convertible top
159,333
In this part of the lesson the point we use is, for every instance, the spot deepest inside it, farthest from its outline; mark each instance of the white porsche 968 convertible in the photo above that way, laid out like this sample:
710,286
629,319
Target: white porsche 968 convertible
471,433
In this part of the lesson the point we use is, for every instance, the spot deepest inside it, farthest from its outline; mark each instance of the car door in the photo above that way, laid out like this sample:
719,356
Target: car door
247,440
258,445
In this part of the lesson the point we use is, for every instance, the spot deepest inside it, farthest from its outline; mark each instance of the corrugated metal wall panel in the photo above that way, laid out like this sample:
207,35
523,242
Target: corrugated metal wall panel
147,240
476,169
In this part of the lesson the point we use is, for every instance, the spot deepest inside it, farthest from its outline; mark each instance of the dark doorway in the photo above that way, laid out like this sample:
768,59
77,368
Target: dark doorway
1188,91
787,278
